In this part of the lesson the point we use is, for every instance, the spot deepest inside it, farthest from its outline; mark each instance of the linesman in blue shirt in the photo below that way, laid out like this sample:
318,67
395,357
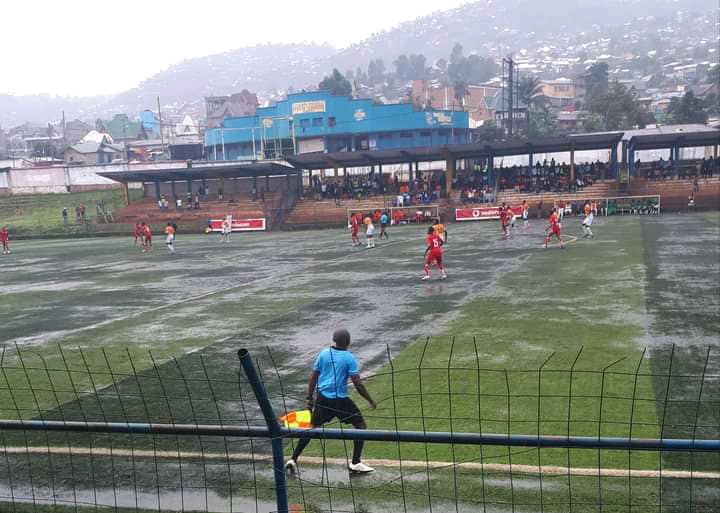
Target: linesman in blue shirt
331,371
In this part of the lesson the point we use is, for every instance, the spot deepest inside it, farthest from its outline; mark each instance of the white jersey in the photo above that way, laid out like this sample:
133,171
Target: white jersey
370,230
588,221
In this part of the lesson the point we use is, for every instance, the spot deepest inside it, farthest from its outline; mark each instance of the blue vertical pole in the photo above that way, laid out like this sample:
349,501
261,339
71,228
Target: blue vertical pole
676,158
614,160
273,425
157,191
631,161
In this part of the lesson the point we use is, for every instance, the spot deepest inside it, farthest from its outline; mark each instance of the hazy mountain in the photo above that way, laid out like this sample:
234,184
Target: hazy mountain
488,27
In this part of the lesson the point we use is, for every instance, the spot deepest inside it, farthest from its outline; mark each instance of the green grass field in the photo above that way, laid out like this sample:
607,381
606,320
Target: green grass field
96,319
42,214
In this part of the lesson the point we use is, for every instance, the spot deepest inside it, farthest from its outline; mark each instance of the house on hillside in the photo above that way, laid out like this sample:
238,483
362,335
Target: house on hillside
122,129
478,101
91,153
75,130
561,92
239,104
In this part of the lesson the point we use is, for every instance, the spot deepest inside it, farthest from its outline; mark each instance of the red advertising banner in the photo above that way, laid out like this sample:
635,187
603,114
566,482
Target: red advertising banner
482,213
240,225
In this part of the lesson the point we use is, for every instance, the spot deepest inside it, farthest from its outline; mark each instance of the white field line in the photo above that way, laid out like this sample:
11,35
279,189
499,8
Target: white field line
247,457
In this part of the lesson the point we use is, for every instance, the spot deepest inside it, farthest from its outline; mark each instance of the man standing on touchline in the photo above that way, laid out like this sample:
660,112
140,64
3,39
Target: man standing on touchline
331,371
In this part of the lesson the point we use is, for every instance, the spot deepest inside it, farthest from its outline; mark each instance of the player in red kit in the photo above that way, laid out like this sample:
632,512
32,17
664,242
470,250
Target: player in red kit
4,240
505,220
147,235
355,228
433,253
137,233
554,228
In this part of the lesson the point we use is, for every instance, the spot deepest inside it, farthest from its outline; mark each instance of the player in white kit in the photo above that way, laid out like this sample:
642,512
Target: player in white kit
588,220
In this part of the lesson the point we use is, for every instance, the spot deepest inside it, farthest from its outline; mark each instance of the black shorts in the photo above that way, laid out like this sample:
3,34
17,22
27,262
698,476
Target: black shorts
344,409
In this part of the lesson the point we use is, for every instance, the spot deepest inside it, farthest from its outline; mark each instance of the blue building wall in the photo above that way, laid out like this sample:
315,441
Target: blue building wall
343,123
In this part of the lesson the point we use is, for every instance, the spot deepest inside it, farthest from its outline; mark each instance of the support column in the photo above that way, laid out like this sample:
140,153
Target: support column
335,171
172,182
157,191
267,182
631,162
716,165
255,184
204,185
676,159
189,186
572,163
624,154
530,163
491,173
449,172
411,178
614,160
126,194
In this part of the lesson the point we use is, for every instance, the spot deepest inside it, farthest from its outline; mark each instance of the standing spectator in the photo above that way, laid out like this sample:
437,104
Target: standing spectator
65,216
77,214
178,204
82,211
197,202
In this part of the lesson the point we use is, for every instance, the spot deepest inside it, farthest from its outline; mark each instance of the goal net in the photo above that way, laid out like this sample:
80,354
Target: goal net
400,215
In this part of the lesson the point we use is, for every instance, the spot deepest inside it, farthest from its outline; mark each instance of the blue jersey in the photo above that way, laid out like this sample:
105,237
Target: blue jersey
384,219
335,367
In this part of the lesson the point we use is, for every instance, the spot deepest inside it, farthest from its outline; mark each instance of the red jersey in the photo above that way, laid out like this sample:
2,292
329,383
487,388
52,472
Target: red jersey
4,235
355,225
147,232
434,242
137,231
554,221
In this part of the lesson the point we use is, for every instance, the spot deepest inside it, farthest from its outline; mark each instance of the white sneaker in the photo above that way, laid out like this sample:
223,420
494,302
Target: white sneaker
360,468
291,466
426,277
444,276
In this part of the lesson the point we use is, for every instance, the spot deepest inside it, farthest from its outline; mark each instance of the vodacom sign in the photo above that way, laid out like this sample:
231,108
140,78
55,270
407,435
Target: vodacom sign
481,213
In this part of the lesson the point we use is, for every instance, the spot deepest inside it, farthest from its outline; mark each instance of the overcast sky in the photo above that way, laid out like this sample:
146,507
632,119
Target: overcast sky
80,47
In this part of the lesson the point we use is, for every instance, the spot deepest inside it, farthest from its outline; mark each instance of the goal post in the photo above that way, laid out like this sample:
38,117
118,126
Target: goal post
418,214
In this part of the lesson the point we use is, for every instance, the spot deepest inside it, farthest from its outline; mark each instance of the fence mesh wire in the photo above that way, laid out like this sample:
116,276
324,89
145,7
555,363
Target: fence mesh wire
660,394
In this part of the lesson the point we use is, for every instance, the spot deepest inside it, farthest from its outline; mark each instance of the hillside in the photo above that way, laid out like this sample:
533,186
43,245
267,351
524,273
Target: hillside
487,27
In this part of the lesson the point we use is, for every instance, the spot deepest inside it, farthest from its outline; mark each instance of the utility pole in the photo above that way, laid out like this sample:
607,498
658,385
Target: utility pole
65,142
162,137
511,93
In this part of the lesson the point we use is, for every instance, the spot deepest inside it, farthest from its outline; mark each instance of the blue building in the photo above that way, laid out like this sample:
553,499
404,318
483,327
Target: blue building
321,122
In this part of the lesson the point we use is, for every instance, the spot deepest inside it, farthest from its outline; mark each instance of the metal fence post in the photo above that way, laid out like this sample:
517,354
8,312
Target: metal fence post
273,426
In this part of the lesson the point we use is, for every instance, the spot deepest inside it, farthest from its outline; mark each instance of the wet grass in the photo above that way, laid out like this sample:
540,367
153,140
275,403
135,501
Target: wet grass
470,354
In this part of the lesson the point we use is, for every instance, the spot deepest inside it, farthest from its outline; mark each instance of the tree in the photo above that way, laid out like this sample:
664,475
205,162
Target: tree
461,91
688,109
543,121
594,123
596,81
469,69
618,107
488,132
402,67
336,83
418,67
376,71
530,91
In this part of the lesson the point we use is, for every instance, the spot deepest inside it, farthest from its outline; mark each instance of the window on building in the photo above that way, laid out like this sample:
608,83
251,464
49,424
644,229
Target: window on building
317,122
425,134
332,121
304,123
406,135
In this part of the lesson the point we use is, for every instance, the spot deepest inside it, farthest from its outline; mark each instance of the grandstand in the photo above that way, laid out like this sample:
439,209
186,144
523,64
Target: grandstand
674,193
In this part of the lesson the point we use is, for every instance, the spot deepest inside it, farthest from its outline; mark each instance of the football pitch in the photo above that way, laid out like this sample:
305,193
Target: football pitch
610,336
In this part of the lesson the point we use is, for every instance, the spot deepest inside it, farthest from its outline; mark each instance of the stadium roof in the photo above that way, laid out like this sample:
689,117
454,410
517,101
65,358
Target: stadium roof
169,171
707,137
458,151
